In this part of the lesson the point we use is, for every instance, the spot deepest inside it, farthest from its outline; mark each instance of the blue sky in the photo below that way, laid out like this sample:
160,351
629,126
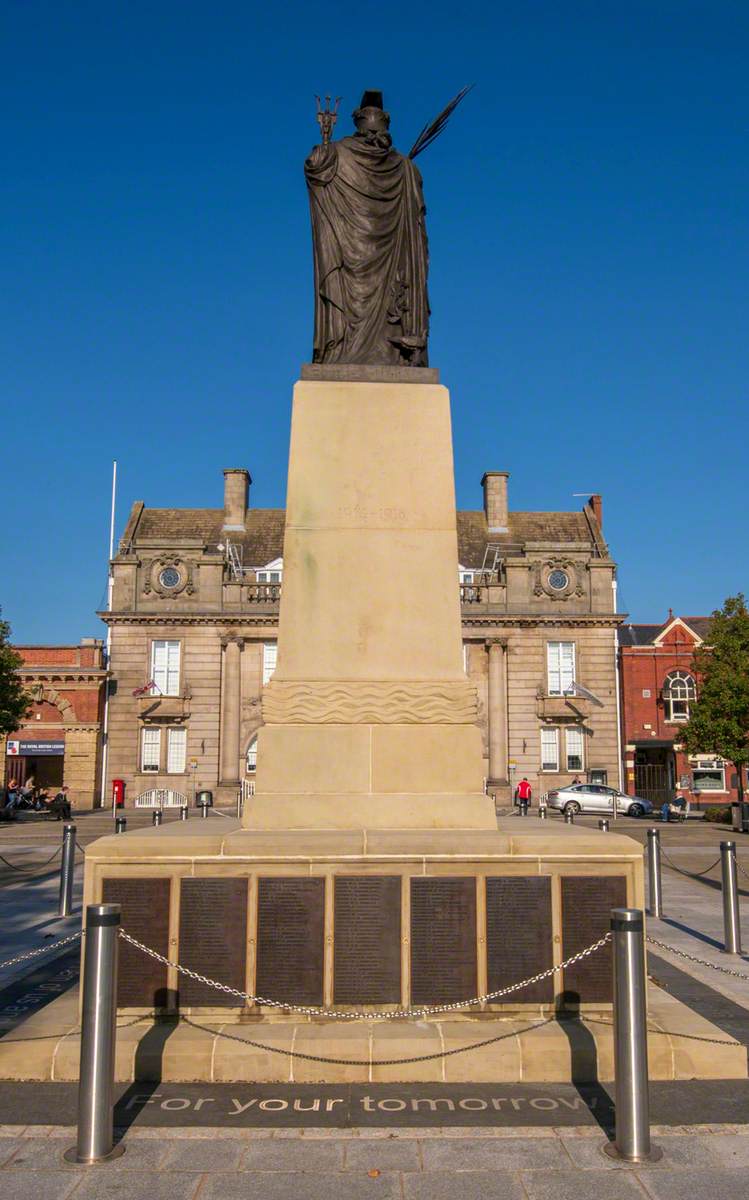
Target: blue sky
587,215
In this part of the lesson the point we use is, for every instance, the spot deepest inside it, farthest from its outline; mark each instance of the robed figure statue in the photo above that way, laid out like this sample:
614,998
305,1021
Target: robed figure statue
370,247
370,242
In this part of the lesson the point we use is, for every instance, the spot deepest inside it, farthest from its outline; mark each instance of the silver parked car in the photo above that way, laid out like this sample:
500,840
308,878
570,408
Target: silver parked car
596,798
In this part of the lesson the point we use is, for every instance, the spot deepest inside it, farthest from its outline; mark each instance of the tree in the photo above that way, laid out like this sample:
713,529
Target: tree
719,718
14,701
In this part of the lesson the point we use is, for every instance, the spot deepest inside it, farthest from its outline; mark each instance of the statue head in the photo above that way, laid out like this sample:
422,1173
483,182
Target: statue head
370,116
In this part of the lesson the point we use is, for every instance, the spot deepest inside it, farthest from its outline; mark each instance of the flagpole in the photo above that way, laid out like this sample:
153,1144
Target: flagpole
110,582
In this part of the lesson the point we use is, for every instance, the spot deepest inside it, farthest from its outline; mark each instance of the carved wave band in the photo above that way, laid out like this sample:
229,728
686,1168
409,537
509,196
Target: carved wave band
447,703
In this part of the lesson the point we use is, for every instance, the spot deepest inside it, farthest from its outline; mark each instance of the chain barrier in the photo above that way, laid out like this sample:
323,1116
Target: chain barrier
389,1015
690,874
11,962
366,1062
693,958
31,866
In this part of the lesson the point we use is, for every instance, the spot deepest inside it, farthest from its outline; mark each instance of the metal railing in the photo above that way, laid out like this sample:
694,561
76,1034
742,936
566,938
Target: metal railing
160,798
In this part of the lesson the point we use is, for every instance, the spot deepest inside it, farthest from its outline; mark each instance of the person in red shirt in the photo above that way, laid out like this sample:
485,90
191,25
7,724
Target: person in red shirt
523,790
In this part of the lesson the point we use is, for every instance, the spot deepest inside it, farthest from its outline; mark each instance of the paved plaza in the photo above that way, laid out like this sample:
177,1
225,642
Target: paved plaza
469,1141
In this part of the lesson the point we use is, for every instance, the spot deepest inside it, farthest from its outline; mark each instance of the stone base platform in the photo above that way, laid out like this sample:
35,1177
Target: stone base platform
457,1049
367,921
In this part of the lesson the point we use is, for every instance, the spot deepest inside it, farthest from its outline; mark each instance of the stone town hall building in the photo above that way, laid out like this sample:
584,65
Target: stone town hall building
194,622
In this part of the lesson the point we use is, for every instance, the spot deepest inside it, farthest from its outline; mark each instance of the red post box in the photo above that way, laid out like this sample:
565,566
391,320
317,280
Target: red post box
118,793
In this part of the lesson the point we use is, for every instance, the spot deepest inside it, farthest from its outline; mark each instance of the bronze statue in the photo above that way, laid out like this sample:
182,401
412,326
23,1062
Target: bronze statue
369,240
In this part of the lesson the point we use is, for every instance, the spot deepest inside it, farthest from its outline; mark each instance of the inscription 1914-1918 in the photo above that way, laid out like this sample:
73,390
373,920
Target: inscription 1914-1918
519,936
443,940
142,981
367,947
290,945
213,938
587,901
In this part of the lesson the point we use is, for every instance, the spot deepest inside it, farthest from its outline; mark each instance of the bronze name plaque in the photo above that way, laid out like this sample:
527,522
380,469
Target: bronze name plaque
443,940
141,981
367,943
587,901
290,932
519,936
213,939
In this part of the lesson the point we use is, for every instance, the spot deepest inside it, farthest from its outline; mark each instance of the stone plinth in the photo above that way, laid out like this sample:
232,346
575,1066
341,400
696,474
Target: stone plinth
370,721
241,877
482,941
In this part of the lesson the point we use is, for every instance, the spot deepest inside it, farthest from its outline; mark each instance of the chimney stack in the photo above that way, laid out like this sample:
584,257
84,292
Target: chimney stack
494,484
596,503
236,487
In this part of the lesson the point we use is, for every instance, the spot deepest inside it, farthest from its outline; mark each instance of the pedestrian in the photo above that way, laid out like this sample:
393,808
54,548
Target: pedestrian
523,791
60,805
13,795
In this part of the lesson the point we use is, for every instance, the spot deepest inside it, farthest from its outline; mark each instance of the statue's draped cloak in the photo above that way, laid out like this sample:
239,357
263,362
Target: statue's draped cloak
370,251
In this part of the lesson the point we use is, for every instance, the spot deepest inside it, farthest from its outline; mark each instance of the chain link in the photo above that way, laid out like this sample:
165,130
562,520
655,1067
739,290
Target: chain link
11,962
389,1015
693,958
690,874
31,866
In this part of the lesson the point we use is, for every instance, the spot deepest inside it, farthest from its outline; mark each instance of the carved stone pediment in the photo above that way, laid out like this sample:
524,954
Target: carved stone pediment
558,578
168,575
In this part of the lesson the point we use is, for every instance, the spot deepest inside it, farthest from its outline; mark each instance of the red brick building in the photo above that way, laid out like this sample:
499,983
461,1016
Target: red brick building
658,684
59,740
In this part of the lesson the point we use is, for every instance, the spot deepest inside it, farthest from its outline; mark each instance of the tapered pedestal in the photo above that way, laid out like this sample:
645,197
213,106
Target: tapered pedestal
370,721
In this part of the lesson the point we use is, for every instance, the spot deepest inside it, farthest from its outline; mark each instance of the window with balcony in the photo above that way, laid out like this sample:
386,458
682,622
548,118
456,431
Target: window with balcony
165,663
176,750
150,752
560,665
271,572
549,749
679,689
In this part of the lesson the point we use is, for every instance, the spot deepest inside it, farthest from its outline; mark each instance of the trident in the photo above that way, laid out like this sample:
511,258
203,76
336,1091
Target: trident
327,117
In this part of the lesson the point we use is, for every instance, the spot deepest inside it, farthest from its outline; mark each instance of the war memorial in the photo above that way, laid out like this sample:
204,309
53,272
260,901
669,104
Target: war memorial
370,919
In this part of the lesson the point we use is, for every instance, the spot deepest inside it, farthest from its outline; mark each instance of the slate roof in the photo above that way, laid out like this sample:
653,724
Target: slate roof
262,540
645,635
557,527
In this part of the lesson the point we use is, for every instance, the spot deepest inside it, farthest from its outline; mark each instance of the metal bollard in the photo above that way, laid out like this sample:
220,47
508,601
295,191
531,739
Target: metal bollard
240,806
120,824
731,914
632,1136
184,812
204,810
98,1030
67,871
157,816
542,813
603,825
655,891
569,816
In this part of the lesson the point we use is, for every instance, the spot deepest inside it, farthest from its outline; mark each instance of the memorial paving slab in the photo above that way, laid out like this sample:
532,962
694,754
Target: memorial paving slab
492,1110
